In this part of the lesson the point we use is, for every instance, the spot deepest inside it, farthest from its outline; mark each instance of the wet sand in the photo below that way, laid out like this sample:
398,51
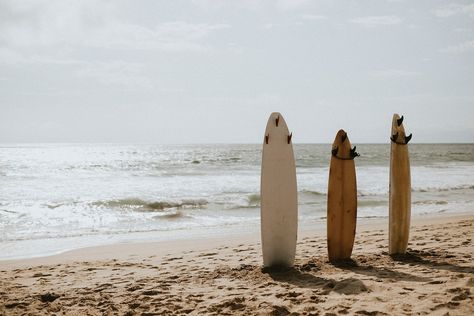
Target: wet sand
225,277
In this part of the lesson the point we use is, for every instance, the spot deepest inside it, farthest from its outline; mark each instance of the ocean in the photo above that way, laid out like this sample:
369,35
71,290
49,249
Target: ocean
57,197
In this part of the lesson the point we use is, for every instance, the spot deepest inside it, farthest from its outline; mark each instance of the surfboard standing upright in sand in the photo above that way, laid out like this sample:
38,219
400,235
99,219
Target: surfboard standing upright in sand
400,189
278,193
342,199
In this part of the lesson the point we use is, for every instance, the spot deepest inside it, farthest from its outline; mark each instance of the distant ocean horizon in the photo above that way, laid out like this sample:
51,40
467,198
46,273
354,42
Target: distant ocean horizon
7,144
61,196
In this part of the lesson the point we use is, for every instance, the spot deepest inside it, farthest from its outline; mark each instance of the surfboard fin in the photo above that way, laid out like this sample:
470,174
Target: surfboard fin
334,151
266,138
354,153
277,120
289,137
394,137
400,121
344,137
408,138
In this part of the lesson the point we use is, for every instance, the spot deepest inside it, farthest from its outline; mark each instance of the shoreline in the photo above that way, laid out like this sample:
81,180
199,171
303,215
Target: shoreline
168,246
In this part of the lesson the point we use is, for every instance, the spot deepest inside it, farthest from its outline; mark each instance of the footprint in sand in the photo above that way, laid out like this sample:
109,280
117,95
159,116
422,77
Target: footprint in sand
350,286
233,305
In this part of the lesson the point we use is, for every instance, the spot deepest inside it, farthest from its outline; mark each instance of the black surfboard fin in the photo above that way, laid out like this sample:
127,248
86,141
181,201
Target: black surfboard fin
408,138
334,151
277,120
289,137
354,153
400,121
266,138
344,137
394,137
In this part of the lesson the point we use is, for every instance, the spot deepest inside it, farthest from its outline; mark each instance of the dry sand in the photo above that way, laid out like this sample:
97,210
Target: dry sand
225,277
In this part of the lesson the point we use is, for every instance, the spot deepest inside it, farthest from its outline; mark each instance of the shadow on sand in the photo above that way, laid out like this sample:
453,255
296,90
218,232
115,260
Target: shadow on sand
298,278
381,273
431,259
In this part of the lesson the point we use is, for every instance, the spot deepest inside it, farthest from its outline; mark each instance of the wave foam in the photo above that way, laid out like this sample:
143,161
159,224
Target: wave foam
146,206
444,189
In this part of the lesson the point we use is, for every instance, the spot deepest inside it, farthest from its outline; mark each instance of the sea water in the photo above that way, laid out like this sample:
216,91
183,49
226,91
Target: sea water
55,197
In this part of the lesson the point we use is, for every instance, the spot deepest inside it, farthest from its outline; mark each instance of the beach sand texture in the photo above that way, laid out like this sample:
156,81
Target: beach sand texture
435,277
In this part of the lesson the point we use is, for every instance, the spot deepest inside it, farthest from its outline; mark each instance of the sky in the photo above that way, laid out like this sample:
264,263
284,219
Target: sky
212,71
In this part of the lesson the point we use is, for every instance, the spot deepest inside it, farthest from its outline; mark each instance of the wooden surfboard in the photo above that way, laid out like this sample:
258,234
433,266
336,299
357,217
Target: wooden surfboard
278,193
399,189
342,199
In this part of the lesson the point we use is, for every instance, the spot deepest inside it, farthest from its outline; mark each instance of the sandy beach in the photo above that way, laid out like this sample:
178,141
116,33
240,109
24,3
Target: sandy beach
225,277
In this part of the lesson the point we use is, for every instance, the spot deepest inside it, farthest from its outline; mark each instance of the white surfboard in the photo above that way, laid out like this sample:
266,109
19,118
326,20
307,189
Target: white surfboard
399,189
278,193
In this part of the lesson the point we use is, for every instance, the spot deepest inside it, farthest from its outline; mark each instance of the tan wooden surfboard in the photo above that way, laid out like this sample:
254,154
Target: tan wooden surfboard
342,199
400,189
279,203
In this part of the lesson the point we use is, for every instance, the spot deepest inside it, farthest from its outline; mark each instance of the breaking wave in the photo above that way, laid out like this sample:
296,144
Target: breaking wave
444,189
253,200
313,192
154,206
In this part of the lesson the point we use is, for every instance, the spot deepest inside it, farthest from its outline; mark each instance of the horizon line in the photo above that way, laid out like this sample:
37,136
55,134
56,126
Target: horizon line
209,143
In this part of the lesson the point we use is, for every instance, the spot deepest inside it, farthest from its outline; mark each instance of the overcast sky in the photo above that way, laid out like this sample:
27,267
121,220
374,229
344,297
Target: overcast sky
209,71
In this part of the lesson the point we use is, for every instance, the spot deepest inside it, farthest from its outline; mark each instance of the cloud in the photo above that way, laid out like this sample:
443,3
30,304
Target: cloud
373,21
235,48
269,26
175,36
465,30
65,25
392,73
290,4
116,73
461,48
454,9
43,23
217,5
251,5
313,17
